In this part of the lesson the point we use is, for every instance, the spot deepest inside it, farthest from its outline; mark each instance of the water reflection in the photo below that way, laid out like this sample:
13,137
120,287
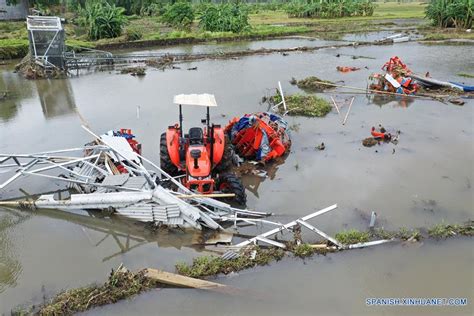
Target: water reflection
128,235
396,101
12,90
253,176
10,266
56,97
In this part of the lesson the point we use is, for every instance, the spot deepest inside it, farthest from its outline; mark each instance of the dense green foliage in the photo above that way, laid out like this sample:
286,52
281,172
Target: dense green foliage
451,13
224,18
330,8
179,15
102,19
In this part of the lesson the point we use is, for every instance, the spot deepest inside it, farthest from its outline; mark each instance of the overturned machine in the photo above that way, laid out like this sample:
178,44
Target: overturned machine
261,136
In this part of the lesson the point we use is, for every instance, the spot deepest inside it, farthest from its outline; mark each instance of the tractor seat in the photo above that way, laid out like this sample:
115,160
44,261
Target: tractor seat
195,136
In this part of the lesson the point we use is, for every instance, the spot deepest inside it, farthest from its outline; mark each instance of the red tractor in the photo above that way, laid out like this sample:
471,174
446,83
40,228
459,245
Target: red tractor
202,157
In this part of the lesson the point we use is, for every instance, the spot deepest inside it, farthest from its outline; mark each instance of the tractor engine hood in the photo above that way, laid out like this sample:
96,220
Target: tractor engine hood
198,161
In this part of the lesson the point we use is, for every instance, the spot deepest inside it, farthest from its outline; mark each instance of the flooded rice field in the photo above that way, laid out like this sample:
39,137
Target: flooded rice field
425,179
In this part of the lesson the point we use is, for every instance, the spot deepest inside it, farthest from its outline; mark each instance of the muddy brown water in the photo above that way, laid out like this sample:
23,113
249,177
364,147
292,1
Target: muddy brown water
425,179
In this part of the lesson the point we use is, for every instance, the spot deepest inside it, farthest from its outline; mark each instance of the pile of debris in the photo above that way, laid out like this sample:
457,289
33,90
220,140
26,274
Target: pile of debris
399,79
395,80
261,136
29,69
109,174
379,135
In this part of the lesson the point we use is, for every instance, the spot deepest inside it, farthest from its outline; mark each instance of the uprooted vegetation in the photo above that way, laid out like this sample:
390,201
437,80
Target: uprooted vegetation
352,236
30,70
442,230
121,284
134,71
313,84
301,105
211,265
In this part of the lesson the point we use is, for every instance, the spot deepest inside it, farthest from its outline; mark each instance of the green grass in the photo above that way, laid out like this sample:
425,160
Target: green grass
440,34
352,236
13,48
303,105
303,250
465,75
389,10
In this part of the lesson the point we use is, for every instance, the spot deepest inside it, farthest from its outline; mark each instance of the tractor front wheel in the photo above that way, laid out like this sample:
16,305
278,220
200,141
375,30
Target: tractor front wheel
165,161
230,183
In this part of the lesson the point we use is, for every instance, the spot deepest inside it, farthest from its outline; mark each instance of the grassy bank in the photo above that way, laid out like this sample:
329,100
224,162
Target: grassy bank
264,24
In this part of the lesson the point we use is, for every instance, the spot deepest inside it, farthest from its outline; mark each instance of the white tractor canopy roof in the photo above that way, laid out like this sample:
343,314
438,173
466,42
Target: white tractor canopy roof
195,99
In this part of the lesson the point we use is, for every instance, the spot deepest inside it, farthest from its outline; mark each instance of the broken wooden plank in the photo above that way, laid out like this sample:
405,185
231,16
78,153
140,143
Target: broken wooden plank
181,280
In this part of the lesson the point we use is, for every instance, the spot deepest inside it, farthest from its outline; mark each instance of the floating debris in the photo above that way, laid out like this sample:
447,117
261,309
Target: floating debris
369,142
31,70
134,71
457,101
302,105
121,284
346,69
397,38
312,84
395,80
442,230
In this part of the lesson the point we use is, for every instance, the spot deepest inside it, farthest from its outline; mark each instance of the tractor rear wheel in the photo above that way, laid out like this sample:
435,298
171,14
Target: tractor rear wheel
165,161
230,183
227,157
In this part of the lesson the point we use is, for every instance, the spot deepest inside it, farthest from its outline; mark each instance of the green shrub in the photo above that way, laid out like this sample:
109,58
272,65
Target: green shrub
224,18
102,20
154,9
133,34
330,8
179,15
451,13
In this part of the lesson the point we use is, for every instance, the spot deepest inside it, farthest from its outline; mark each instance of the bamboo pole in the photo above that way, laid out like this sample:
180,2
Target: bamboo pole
335,105
347,114
419,96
